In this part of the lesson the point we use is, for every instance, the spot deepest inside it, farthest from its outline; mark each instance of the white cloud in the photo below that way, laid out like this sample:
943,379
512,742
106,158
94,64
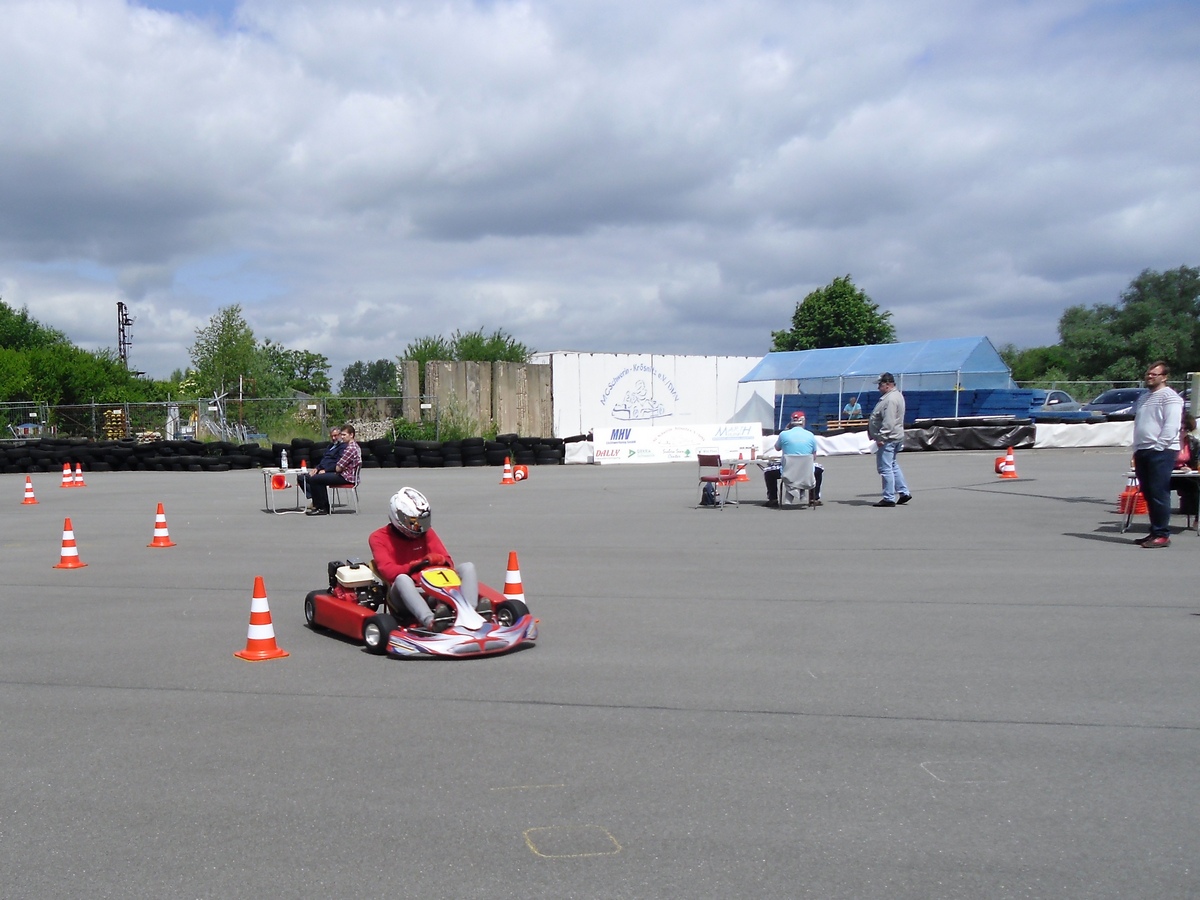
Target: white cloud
658,176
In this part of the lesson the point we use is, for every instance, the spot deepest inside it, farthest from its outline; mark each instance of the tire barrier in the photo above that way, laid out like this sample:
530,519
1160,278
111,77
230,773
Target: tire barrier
55,454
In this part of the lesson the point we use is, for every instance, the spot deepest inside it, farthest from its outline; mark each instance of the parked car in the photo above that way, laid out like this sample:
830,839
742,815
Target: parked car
1056,406
1117,402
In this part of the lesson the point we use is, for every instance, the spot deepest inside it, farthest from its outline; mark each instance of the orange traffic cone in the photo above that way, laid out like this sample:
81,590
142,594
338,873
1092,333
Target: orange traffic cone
520,473
508,472
161,537
78,476
260,638
29,498
513,589
1010,465
1131,500
69,558
67,480
304,467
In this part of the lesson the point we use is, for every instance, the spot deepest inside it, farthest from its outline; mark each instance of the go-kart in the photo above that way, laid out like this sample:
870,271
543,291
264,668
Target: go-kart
355,606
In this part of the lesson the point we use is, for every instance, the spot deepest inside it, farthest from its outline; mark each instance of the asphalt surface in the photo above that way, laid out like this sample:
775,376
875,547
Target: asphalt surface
987,693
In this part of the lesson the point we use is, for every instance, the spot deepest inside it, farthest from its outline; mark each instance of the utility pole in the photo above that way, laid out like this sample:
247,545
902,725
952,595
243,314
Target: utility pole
124,335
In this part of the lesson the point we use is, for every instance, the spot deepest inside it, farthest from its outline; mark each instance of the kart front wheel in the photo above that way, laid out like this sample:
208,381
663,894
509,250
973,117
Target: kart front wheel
376,631
310,609
510,611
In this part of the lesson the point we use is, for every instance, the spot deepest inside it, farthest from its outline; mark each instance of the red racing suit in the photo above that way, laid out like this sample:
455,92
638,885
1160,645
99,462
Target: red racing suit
397,554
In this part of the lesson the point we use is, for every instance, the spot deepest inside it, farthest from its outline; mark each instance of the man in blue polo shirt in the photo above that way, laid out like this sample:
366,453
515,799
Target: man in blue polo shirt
795,440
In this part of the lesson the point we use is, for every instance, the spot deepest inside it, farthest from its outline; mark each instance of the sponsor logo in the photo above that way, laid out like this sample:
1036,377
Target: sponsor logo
620,434
608,453
725,432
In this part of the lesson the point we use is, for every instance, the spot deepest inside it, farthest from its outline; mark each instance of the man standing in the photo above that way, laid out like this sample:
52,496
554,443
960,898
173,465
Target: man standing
886,429
796,439
1157,416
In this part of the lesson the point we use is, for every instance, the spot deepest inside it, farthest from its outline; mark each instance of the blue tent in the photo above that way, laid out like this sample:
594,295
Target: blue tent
953,365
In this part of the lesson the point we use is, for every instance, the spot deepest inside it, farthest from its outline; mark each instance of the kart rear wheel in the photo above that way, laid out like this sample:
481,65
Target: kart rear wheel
376,630
510,611
310,609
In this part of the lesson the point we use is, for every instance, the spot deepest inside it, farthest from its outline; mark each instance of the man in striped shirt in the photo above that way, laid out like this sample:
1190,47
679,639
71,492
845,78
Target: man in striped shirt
1157,417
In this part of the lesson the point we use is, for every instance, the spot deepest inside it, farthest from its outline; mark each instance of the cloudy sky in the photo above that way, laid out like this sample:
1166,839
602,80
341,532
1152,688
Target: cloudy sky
667,176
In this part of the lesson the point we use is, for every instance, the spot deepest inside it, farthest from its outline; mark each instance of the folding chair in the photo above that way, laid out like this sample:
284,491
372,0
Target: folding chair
797,480
722,478
335,495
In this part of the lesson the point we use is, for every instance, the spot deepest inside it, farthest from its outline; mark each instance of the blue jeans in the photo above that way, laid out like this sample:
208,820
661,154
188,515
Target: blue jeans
889,470
1153,468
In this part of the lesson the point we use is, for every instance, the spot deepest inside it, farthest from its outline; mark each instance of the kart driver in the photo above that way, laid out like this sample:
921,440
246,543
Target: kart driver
405,546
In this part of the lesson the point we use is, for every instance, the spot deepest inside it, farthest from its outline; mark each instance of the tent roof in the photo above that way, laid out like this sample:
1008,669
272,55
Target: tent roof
965,355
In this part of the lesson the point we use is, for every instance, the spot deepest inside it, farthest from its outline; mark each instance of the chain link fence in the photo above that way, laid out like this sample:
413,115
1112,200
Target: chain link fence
260,420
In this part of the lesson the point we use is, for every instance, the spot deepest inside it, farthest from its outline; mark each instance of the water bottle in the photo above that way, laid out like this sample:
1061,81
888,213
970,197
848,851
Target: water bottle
283,459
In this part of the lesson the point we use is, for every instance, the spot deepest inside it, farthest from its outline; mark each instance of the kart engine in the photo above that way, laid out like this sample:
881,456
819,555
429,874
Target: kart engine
354,577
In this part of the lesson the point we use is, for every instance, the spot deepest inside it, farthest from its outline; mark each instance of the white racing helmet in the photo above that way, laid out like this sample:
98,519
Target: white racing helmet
409,512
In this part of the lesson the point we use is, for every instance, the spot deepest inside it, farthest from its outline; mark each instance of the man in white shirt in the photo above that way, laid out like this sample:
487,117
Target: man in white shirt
1157,417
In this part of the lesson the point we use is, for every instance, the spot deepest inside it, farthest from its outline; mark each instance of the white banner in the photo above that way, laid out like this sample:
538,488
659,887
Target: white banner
678,443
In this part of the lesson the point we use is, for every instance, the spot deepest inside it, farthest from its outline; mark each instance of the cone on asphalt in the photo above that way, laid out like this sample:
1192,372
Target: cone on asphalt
67,479
29,500
69,558
508,472
1010,465
78,476
513,589
260,638
161,537
520,473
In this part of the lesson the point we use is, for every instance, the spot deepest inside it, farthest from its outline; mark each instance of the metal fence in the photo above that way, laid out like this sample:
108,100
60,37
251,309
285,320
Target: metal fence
238,421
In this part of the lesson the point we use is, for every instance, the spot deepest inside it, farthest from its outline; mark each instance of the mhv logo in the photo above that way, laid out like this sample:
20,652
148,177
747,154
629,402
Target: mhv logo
620,434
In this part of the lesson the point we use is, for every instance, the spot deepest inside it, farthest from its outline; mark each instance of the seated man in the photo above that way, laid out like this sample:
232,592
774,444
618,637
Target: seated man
328,462
1189,459
344,474
794,439
852,410
405,546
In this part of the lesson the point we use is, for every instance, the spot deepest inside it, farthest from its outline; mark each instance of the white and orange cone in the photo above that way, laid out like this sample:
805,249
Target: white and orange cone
1010,465
508,472
513,589
69,558
260,638
520,473
67,479
29,500
304,467
161,537
78,476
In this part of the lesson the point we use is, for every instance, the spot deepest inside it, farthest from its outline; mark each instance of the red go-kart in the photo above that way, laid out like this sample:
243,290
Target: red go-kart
355,606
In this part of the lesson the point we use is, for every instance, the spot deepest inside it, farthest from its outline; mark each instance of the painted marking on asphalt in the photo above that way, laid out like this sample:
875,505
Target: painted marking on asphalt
571,841
526,787
963,771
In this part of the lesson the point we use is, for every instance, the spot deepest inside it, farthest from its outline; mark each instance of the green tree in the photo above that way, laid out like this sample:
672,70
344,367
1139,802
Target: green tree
20,331
498,346
285,370
1158,317
837,315
374,379
224,352
1036,363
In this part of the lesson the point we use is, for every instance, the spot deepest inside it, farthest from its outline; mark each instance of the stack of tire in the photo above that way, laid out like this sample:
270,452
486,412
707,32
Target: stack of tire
528,451
49,454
